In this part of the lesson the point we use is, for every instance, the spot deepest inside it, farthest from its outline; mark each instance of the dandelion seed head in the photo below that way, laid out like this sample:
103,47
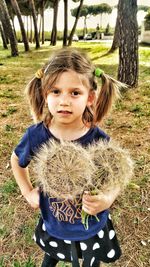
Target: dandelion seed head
113,165
66,169
63,169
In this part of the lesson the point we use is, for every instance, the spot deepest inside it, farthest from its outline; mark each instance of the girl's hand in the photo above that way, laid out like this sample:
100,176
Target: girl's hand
93,204
33,198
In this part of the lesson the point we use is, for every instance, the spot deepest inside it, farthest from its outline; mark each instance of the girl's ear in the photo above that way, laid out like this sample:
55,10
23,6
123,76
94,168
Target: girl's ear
91,98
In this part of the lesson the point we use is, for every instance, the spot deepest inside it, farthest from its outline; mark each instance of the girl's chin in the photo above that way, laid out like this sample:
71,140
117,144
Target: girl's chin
67,119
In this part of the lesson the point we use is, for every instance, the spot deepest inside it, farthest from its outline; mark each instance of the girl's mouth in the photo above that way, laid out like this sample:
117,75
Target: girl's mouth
64,112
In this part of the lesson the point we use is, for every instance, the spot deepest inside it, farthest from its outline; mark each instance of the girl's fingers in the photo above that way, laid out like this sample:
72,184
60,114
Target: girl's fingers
89,198
86,206
89,211
88,202
86,209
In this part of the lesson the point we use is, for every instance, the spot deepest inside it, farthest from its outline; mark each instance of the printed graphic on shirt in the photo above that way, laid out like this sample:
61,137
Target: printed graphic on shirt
66,210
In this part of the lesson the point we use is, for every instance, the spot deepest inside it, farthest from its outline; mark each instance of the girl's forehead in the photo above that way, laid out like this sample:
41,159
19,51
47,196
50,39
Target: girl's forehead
72,77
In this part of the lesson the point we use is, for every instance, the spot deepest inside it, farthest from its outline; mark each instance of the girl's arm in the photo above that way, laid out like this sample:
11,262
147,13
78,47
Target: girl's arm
22,178
97,203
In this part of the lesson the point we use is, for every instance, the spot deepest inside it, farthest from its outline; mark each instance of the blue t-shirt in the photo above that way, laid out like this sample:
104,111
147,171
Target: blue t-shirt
61,218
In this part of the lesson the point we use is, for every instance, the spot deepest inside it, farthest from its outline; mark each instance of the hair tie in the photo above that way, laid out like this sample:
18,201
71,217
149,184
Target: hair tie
39,74
98,72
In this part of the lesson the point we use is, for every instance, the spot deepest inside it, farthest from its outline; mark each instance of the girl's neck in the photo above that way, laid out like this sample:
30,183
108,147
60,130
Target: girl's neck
63,132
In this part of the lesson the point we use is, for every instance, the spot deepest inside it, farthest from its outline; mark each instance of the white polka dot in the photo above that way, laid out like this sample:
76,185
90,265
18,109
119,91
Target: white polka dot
111,253
96,245
43,227
53,244
83,246
42,243
61,256
67,241
92,260
101,234
109,216
111,234
34,238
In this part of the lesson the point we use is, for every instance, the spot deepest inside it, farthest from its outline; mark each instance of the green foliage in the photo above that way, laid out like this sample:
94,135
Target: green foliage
9,111
109,122
8,93
27,230
92,10
138,110
1,262
63,264
83,12
9,128
99,9
120,105
75,1
147,21
46,33
28,263
144,8
5,79
9,187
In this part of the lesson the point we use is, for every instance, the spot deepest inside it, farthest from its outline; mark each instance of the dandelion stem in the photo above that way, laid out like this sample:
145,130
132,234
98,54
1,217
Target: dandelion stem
85,219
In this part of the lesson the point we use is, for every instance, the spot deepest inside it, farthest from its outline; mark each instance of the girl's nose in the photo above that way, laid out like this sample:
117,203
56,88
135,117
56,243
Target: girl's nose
64,100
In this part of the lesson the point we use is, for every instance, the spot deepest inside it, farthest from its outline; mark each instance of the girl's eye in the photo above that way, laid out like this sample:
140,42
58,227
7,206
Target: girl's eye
55,91
75,93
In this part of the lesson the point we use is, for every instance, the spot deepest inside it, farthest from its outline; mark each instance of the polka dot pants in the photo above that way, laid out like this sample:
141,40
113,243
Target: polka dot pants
102,247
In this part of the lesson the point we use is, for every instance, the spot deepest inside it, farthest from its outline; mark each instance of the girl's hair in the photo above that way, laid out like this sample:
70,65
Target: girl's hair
65,60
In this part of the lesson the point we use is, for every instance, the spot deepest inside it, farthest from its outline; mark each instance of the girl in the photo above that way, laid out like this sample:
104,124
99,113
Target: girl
64,97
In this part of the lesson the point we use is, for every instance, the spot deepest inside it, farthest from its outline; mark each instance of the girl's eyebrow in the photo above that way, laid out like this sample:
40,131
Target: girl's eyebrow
71,88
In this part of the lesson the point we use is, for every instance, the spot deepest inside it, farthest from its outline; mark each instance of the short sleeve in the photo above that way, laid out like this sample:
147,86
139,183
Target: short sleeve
24,151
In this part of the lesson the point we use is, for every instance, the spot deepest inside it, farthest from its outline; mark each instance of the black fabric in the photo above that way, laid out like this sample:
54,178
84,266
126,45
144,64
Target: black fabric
101,247
48,261
74,254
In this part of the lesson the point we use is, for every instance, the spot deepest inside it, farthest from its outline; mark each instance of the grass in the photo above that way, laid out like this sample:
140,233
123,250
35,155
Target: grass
28,263
127,123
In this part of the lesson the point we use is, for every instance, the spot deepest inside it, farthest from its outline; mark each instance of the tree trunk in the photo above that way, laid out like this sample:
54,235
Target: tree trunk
27,20
75,23
18,13
35,24
65,23
128,47
115,43
31,34
40,24
8,28
3,38
54,29
42,14
13,25
101,26
85,26
4,27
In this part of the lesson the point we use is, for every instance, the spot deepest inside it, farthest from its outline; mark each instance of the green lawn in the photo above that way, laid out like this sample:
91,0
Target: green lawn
128,123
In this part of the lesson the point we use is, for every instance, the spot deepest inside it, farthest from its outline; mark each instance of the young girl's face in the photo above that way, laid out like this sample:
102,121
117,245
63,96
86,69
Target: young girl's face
68,98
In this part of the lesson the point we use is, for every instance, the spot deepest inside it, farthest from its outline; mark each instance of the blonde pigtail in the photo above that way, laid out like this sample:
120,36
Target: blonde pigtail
109,92
36,99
